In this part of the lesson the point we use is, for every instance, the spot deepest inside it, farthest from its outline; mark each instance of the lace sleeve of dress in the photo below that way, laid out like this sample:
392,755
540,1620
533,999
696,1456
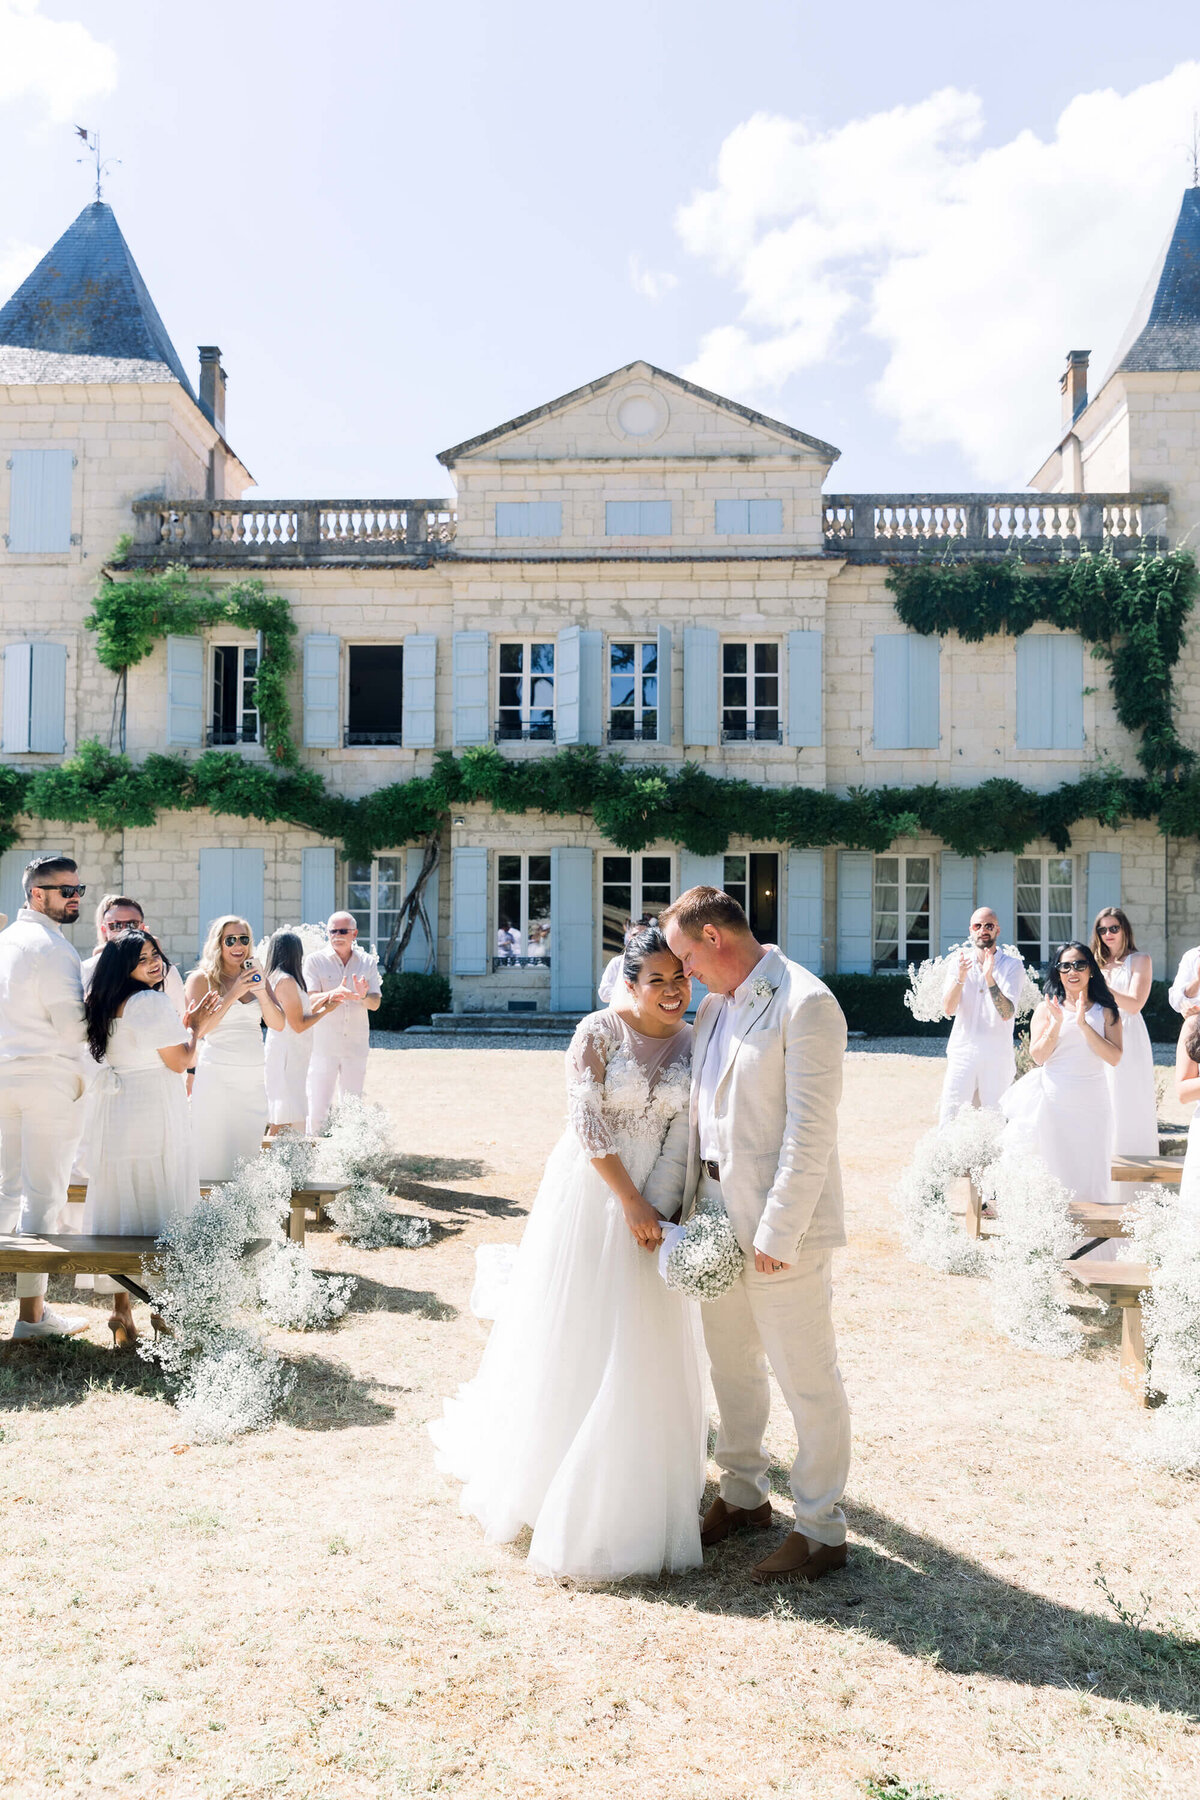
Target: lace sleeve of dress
587,1061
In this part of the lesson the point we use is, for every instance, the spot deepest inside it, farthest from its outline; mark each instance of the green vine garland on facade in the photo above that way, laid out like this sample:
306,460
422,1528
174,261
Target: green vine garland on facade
1134,615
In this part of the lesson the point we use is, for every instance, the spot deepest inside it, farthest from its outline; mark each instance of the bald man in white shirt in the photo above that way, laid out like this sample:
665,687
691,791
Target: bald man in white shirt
343,1036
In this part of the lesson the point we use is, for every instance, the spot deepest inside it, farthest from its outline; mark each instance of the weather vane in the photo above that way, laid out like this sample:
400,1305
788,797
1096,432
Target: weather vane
92,140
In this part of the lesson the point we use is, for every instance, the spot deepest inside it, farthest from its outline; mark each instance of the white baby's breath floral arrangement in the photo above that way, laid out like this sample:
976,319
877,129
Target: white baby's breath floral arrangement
312,938
927,984
1166,1235
297,1297
703,1258
356,1136
1029,1302
964,1148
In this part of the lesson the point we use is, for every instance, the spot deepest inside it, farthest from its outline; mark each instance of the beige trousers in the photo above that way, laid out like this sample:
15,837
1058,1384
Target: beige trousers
41,1118
784,1321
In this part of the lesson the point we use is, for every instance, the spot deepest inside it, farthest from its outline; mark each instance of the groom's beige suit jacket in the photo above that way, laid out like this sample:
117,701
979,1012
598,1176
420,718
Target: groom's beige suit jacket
776,1116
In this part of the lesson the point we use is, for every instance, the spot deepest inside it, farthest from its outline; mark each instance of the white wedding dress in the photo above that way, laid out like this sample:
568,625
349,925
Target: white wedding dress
586,1421
1131,1083
1062,1112
229,1094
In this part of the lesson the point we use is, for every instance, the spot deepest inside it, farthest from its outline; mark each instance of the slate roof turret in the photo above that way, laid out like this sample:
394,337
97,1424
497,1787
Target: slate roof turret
1164,333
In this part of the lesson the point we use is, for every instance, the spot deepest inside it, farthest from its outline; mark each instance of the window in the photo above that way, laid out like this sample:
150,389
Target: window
632,692
374,893
528,518
738,518
235,675
629,887
522,912
376,694
526,692
637,518
754,883
1045,905
901,911
750,694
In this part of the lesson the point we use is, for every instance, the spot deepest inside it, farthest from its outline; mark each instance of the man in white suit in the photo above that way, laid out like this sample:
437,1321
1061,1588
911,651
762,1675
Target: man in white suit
762,1138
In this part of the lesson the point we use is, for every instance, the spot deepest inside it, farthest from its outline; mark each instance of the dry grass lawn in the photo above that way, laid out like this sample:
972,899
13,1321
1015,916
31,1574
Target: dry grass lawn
305,1613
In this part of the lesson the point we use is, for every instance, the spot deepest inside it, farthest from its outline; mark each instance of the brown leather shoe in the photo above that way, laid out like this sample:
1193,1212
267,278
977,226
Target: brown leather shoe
799,1559
721,1519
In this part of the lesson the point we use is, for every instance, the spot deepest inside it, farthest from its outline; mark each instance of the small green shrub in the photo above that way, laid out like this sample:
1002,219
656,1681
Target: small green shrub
410,999
875,1004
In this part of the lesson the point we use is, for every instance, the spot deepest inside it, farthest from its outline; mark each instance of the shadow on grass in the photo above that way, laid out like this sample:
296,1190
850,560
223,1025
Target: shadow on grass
409,1178
326,1396
373,1296
38,1375
928,1601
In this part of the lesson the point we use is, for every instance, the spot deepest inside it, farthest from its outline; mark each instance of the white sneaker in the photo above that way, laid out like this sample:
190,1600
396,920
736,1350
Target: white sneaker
51,1324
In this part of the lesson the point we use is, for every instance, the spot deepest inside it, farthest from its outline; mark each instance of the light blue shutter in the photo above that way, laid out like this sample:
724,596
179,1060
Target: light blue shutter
701,705
318,883
924,692
996,888
621,518
185,692
733,518
804,688
322,692
247,893
572,937
48,698
805,905
417,958
12,894
855,900
470,686
469,935
765,517
664,684
528,518
566,686
18,674
891,694
1067,662
231,881
1035,692
545,518
957,896
40,508
654,518
1103,881
699,871
418,718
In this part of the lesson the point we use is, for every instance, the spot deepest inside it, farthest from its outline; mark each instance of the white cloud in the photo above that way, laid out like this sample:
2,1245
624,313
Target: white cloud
976,267
56,62
651,284
17,260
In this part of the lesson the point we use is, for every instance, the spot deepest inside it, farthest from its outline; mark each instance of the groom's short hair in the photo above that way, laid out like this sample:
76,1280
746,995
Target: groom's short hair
702,906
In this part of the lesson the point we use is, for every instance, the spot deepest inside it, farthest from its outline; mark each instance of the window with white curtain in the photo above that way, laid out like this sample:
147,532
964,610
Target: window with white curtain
901,914
1045,905
374,894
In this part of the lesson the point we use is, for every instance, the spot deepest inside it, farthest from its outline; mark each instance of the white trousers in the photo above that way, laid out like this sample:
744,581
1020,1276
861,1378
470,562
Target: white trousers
41,1118
988,1072
329,1075
784,1320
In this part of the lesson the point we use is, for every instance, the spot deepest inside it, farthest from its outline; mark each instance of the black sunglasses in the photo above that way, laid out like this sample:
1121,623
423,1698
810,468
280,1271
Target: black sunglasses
68,893
1110,930
341,930
231,941
1077,964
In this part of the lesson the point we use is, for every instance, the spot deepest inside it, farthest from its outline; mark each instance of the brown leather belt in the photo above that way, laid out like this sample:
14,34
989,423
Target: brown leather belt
713,1171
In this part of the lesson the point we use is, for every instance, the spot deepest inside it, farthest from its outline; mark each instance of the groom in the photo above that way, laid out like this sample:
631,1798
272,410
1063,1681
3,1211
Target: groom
762,1139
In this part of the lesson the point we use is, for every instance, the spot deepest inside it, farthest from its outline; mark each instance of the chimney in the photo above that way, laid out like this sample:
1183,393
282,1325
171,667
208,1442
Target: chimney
1073,385
212,386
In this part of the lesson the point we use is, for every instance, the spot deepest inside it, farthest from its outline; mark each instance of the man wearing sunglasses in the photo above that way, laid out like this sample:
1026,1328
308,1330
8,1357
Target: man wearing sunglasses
341,1040
41,1079
982,991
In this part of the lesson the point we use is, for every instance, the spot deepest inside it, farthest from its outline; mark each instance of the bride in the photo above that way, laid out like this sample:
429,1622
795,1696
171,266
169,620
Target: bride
586,1420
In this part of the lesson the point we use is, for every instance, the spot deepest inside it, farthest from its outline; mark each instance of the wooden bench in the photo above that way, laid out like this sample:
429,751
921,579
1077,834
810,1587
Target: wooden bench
304,1200
1148,1171
1100,1220
126,1259
1121,1284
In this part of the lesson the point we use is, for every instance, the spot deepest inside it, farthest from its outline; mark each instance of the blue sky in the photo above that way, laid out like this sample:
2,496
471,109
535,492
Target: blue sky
885,226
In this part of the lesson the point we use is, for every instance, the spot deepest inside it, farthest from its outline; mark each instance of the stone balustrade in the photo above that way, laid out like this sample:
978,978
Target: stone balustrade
878,528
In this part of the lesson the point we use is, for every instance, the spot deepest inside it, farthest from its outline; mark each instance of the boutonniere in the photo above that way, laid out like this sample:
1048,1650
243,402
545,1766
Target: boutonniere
762,990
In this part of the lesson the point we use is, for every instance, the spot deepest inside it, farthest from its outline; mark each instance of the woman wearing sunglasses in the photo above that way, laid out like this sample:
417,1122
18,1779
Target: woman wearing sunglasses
1128,972
229,1095
1062,1111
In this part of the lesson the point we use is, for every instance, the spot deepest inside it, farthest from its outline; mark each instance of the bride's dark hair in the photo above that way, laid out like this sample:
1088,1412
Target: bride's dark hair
649,941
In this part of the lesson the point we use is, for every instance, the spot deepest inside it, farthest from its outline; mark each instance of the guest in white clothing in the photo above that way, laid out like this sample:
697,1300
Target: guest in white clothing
1184,993
982,990
290,1050
1187,1090
1062,1111
117,913
143,1159
1128,972
341,1040
229,1096
41,1083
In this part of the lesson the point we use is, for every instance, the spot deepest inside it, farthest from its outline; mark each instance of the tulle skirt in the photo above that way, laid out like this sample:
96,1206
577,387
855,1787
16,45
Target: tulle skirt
586,1421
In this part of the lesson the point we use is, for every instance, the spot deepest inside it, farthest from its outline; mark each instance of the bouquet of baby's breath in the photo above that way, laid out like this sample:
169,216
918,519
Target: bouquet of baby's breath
705,1258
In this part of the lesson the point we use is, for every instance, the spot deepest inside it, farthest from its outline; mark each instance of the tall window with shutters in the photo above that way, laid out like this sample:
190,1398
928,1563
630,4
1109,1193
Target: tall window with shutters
374,894
630,886
901,933
376,698
750,697
1045,905
526,691
633,691
522,912
234,714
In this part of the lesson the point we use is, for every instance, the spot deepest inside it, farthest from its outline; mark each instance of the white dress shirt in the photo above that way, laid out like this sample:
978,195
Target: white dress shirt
345,1028
716,1054
41,991
1186,973
977,1024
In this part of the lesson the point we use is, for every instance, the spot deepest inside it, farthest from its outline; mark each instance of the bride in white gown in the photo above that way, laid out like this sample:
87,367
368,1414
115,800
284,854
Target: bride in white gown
586,1421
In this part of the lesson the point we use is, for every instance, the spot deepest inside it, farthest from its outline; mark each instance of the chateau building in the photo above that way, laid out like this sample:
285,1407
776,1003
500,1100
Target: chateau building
640,566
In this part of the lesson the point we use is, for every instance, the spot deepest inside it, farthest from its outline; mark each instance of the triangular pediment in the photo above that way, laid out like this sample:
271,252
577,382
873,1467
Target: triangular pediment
640,411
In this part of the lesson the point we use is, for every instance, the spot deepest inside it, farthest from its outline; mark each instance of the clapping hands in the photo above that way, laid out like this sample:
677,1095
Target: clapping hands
987,962
200,1013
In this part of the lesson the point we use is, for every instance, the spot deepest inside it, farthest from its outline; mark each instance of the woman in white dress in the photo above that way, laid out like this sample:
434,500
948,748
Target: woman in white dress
229,1094
142,1159
1128,972
1187,1091
586,1420
1061,1111
289,1051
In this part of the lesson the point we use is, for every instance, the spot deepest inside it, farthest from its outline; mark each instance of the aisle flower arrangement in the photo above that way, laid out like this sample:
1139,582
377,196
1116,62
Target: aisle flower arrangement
1166,1235
355,1137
